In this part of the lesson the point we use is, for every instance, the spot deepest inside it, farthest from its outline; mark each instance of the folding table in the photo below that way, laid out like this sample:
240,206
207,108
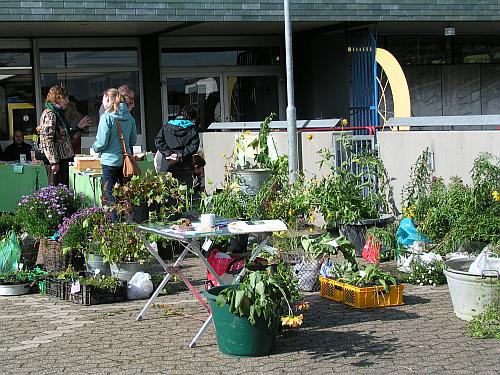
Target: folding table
197,242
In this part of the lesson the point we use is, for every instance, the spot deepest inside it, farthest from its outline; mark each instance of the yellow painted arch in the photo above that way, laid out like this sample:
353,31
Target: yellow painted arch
397,81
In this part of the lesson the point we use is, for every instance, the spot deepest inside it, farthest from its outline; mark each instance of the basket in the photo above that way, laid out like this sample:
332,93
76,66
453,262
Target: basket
90,295
56,288
51,255
361,298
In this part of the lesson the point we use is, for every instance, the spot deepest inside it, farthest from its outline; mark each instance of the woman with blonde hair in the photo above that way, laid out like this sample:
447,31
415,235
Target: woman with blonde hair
108,142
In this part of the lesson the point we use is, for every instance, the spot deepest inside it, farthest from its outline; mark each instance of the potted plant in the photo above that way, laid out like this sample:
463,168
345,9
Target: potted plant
122,249
247,315
99,289
14,283
361,287
250,162
152,191
77,233
315,249
352,196
40,214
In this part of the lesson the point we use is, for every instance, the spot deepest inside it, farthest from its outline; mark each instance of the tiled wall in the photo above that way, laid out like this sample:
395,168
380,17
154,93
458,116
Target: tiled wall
250,10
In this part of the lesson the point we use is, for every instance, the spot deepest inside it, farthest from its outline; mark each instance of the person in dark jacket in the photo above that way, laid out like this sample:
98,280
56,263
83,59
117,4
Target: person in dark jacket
18,147
178,141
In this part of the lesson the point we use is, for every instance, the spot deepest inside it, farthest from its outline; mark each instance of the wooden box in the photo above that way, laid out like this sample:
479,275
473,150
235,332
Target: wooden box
83,163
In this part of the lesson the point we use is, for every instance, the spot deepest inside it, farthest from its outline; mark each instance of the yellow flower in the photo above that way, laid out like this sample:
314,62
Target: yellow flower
309,137
303,306
344,122
291,212
496,196
209,181
292,321
234,187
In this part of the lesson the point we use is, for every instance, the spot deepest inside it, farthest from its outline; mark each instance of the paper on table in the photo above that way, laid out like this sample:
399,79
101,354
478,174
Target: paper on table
256,226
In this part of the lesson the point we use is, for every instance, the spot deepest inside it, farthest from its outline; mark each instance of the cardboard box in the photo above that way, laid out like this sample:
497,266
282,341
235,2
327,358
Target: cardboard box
83,163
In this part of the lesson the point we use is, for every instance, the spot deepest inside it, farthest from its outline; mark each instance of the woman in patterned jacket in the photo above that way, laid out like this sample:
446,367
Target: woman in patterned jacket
56,135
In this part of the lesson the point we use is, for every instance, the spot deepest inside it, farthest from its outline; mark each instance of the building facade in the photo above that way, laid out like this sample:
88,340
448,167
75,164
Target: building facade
226,57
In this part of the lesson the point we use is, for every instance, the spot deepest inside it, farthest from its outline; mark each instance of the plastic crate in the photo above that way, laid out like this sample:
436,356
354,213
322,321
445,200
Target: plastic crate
361,298
56,288
90,295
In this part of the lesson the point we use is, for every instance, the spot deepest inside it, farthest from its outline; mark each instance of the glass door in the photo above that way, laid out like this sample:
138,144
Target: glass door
202,91
222,96
251,97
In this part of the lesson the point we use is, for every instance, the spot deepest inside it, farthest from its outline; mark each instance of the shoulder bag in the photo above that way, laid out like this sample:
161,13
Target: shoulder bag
130,167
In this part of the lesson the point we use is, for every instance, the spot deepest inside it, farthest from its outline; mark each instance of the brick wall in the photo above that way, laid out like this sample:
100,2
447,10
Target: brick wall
250,10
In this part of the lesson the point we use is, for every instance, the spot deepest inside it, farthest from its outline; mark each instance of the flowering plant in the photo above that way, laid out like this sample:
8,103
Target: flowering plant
76,231
40,213
426,273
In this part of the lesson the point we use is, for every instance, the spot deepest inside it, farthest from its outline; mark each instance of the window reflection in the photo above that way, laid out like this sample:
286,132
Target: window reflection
86,93
252,98
220,57
16,96
200,92
88,58
17,59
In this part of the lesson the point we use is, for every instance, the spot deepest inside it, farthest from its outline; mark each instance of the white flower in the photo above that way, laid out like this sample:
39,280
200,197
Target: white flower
418,280
430,272
362,273
430,281
421,284
434,284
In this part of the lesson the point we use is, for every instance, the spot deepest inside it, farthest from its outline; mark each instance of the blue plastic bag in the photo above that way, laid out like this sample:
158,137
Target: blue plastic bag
407,233
10,253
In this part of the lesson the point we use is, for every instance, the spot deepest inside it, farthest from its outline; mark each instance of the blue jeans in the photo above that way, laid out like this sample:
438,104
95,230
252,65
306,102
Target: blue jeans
110,176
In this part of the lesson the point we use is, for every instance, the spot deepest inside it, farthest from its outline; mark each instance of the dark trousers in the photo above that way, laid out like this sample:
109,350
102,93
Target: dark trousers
111,176
62,176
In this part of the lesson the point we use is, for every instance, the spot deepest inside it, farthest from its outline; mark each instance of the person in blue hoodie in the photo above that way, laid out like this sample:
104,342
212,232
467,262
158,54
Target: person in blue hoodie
108,142
178,140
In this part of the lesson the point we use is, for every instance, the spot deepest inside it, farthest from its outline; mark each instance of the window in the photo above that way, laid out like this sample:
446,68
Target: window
87,73
220,57
16,93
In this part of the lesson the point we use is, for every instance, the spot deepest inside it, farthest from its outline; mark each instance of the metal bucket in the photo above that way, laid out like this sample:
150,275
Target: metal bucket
470,293
14,289
251,180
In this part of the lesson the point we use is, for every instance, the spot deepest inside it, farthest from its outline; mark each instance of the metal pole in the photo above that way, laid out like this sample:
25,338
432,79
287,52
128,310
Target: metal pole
291,115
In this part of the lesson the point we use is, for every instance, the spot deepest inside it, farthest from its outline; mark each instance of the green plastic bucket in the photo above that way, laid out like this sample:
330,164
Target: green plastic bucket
236,335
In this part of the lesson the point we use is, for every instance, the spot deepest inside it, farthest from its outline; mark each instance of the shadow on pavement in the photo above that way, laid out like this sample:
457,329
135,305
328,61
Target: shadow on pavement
413,299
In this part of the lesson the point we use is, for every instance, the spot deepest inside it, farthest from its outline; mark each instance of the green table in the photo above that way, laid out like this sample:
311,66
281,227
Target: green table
89,184
14,185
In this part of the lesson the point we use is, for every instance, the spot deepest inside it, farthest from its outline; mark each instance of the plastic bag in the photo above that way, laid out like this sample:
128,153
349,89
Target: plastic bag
484,262
10,253
226,266
371,251
407,233
139,286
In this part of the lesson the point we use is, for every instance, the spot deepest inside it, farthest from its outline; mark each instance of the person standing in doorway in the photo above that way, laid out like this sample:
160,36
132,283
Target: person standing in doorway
56,135
108,142
178,140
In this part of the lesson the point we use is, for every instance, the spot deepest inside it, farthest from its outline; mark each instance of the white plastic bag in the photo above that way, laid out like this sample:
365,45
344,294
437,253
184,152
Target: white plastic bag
139,286
484,262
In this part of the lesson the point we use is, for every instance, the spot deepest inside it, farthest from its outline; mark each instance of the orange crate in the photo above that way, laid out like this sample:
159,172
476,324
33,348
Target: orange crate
361,298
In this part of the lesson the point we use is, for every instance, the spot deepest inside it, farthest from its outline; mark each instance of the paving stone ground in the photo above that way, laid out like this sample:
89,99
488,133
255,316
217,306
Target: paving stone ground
42,335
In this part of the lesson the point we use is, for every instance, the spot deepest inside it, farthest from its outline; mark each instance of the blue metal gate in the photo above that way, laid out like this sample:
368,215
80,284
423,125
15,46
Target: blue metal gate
364,88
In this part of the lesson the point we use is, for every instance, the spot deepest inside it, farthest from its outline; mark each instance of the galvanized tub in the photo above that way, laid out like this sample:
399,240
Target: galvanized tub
14,289
471,293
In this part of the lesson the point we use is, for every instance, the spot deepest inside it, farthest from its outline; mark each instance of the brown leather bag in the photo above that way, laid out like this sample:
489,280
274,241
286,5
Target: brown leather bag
130,167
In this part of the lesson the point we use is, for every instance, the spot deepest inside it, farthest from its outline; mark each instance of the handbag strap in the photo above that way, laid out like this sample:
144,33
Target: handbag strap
122,140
